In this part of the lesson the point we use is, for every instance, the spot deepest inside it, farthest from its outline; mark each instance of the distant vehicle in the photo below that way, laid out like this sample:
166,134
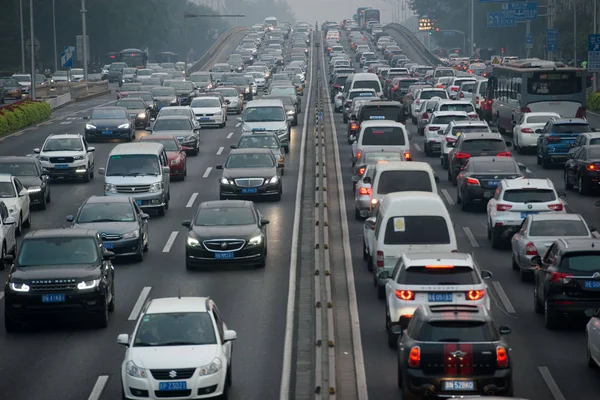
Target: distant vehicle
134,58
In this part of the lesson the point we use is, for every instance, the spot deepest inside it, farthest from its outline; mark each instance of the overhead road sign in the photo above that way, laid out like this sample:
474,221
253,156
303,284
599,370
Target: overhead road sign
551,40
528,40
520,10
497,20
593,58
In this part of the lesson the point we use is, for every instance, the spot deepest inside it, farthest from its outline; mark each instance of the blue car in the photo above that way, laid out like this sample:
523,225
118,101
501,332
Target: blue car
557,138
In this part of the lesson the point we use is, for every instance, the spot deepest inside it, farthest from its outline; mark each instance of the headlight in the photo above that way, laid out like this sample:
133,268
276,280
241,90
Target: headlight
225,181
156,187
12,210
219,113
124,126
192,241
141,115
19,287
175,161
247,90
85,285
78,158
255,241
174,102
34,189
132,234
134,370
110,188
212,368
44,158
291,112
274,179
89,126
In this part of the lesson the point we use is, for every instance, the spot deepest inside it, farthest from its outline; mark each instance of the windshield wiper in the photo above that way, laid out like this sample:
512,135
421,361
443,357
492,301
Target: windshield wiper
100,220
449,340
180,344
144,344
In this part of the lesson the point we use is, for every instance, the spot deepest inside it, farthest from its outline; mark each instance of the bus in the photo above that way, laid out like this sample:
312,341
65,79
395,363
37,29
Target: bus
534,85
486,54
271,22
360,15
167,57
134,58
370,15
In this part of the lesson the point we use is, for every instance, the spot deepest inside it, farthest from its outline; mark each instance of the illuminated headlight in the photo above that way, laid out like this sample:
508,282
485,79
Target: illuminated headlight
156,187
274,179
19,287
255,241
134,370
89,126
225,181
212,368
374,201
141,115
80,157
124,126
175,161
247,90
34,189
110,188
132,235
86,285
174,102
192,241
291,112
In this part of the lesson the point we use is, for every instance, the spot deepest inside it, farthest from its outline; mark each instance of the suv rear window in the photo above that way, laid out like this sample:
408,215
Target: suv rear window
529,195
476,145
367,84
417,229
469,128
446,119
457,107
428,94
391,113
402,181
558,228
583,262
383,136
457,331
570,128
438,276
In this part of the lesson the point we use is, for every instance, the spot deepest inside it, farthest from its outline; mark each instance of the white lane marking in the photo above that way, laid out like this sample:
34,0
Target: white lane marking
207,172
98,387
238,124
228,136
417,146
220,151
470,236
192,200
447,197
551,383
286,374
504,298
137,307
66,123
170,241
1,295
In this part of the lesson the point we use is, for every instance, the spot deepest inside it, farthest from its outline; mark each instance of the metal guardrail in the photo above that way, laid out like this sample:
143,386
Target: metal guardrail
417,45
215,50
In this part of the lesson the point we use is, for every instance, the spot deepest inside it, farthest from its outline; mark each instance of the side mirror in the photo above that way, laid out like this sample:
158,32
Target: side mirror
437,179
233,146
144,216
123,339
229,336
367,179
91,149
8,259
187,223
592,228
370,223
70,218
485,274
101,171
108,255
514,122
383,275
280,165
9,221
220,166
36,150
290,118
239,119
536,260
504,330
355,178
590,312
264,222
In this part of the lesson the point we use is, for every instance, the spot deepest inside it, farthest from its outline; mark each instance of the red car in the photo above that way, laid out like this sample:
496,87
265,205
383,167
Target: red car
175,153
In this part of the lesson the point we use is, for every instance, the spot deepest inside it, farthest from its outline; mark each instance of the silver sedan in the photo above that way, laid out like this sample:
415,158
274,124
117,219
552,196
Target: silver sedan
592,338
424,113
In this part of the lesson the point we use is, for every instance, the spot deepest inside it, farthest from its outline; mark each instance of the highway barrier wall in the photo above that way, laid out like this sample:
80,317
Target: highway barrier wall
415,42
211,55
59,101
22,114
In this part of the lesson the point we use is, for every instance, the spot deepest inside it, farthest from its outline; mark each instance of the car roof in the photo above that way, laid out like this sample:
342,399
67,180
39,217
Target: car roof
107,199
110,108
65,135
439,258
381,122
264,103
384,103
527,183
555,217
136,148
177,304
404,166
156,138
226,203
58,233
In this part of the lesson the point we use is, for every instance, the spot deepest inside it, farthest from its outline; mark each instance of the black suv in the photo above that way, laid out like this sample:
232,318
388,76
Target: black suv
58,272
453,350
567,280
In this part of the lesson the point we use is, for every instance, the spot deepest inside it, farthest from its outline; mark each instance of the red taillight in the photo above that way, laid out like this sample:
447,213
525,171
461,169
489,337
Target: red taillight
379,259
417,101
461,95
581,111
470,71
358,154
489,102
525,110
472,181
501,357
503,207
414,357
531,250
477,99
364,191
527,130
361,171
462,155
405,295
475,294
354,126
559,277
407,156
592,167
556,207
454,88
450,139
503,154
425,116
552,138
434,128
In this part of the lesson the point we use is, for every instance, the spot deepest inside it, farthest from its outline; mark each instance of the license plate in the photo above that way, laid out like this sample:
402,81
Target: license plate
439,297
204,119
591,284
249,190
377,117
459,385
107,132
139,202
53,298
109,246
224,255
525,214
180,385
61,166
493,183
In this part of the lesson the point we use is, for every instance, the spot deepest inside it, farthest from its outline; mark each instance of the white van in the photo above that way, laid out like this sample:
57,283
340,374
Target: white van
366,80
267,116
406,222
384,134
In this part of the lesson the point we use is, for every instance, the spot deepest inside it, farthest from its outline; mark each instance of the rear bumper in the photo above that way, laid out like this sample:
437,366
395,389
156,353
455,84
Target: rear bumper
416,382
479,194
573,307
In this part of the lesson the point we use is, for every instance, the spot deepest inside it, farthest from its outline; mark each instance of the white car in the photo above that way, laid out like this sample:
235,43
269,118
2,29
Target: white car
25,82
16,198
435,128
528,128
209,111
180,347
8,234
67,155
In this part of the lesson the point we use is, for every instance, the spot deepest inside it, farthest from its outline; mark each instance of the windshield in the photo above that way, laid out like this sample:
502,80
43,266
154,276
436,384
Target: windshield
145,72
200,78
458,130
258,141
570,128
457,331
457,107
58,251
558,228
255,160
368,84
444,72
402,181
22,78
168,144
483,145
264,114
228,92
446,119
205,102
383,136
179,124
340,80
175,329
163,92
555,83
539,119
130,104
129,71
417,229
502,165
225,216
147,97
133,165
106,212
421,275
19,168
283,90
63,144
529,195
131,88
60,73
7,190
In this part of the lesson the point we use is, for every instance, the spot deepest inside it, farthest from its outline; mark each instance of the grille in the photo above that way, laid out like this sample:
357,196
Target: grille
173,393
110,236
133,189
249,182
204,115
61,160
230,244
165,374
53,287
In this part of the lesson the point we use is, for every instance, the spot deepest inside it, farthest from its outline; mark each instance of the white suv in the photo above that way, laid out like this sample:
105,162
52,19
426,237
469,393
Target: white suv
514,200
67,155
430,279
16,198
8,240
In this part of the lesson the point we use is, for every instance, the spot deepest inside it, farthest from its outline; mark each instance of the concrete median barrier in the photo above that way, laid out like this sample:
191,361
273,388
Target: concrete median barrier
59,101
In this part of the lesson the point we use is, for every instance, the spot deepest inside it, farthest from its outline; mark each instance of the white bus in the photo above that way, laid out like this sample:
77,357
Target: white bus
271,22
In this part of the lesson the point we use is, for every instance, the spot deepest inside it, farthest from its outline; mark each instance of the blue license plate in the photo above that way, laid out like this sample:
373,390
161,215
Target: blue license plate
224,255
166,386
53,298
204,119
249,190
459,385
107,132
591,284
61,166
439,297
109,246
377,117
139,202
525,214
180,138
493,183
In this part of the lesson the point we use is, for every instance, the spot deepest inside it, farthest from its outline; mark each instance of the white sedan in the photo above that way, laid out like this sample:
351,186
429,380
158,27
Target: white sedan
16,198
528,129
209,111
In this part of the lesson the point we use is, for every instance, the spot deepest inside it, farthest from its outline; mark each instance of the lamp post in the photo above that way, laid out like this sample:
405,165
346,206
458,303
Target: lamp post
32,90
84,40
22,38
54,34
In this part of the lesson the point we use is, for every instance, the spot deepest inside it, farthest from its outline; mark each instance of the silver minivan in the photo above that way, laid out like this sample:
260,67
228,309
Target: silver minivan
139,170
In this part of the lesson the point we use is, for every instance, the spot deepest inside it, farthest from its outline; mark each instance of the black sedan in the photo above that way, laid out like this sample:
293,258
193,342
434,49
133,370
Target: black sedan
107,123
582,169
240,82
122,225
182,128
185,90
139,111
226,232
31,174
250,173
480,176
148,99
164,97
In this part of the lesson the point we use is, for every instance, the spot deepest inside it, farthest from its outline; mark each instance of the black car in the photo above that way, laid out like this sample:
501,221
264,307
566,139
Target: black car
480,176
250,173
182,128
123,226
139,111
31,174
567,280
454,351
164,97
59,272
185,90
582,169
148,99
240,82
115,72
226,232
108,123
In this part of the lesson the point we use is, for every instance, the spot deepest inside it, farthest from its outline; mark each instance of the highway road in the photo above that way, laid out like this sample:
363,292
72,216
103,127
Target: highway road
68,361
547,364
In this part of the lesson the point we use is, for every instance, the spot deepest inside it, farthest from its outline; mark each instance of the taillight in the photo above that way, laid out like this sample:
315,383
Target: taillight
527,130
489,102
358,154
425,116
353,127
503,207
454,88
581,111
531,250
472,181
462,155
559,277
556,207
434,128
417,101
461,95
552,138
364,191
407,156
361,171
475,294
414,357
405,295
477,99
379,259
592,167
449,139
525,110
501,357
470,71
503,154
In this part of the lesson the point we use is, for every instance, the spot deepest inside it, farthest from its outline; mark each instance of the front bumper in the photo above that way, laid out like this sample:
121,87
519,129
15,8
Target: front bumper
198,256
124,247
212,120
269,189
417,383
108,134
144,200
37,197
72,170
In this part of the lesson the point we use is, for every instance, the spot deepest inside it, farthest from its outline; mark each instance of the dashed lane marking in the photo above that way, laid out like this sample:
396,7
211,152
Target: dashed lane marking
66,122
98,387
220,151
417,146
238,124
503,298
137,307
551,383
207,172
190,203
447,197
470,236
170,242
1,295
230,135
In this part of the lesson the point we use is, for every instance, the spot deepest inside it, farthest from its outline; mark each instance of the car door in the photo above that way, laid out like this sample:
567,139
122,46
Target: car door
519,241
221,328
574,161
594,335
22,198
543,271
9,230
165,175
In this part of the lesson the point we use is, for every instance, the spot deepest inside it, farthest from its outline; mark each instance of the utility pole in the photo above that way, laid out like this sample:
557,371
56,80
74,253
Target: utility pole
528,32
22,39
575,35
550,12
472,33
595,75
54,32
84,39
32,90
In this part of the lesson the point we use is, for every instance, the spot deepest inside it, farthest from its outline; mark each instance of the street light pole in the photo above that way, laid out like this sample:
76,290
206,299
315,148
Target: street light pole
574,35
595,75
32,90
54,32
22,39
84,39
472,33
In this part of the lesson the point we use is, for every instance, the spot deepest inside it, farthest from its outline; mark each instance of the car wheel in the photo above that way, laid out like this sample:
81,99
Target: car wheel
140,254
365,254
2,254
515,266
537,306
229,377
568,185
582,187
588,355
162,211
42,205
19,229
86,177
391,337
551,319
524,275
380,290
112,303
538,158
465,203
496,243
27,223
546,163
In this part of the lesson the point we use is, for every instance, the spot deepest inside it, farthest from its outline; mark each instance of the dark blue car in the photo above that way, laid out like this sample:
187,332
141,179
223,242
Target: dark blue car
557,138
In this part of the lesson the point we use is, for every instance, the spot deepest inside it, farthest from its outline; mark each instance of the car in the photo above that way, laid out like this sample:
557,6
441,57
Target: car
565,280
8,236
528,129
453,131
109,123
123,226
139,111
148,99
67,155
424,112
538,232
514,200
435,127
372,157
236,101
180,127
288,104
185,90
267,116
176,154
59,272
178,345
226,232
179,111
556,139
31,174
12,88
164,97
582,169
15,197
592,338
584,139
454,350
250,173
127,88
384,135
210,111
267,140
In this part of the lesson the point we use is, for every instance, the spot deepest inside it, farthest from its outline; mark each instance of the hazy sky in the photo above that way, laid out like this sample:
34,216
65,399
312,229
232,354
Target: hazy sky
336,10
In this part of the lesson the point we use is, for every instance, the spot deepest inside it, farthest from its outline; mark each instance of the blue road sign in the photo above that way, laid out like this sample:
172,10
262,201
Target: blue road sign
593,58
551,40
449,33
66,59
528,41
497,20
520,10
491,1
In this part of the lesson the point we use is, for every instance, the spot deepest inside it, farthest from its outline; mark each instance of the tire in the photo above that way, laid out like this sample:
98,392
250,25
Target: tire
465,204
568,185
551,319
537,307
538,158
139,257
286,149
229,376
515,266
9,324
112,302
162,211
406,395
19,230
496,242
444,161
43,205
365,254
262,263
392,341
524,275
27,223
3,253
278,196
546,163
413,120
222,125
86,177
588,356
582,188
380,291
101,321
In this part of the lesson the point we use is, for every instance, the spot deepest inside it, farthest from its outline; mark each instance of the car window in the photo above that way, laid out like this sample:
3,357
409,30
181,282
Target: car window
570,128
476,145
529,195
558,228
417,229
402,181
430,275
583,262
58,251
225,216
383,136
457,331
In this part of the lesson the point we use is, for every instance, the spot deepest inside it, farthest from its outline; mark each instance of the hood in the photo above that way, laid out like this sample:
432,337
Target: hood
135,111
79,272
175,133
109,227
128,180
64,153
165,98
10,202
234,173
29,181
176,357
218,232
108,123
264,126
